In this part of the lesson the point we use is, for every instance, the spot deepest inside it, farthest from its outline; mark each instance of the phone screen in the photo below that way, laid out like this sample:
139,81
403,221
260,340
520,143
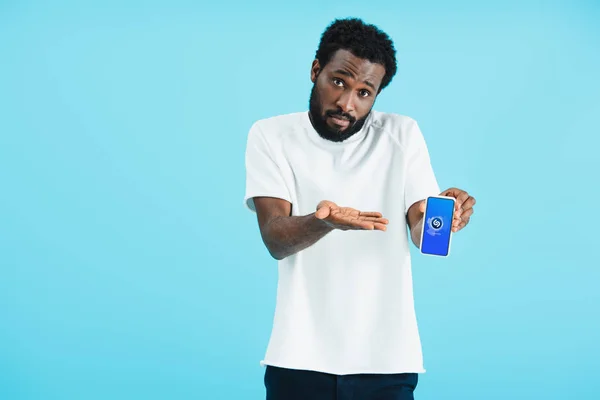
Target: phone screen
437,227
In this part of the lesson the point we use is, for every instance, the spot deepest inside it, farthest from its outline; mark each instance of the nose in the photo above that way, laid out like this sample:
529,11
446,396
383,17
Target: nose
346,102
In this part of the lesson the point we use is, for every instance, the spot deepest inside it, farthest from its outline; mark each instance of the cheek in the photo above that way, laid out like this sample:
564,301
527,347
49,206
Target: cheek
326,97
326,90
363,108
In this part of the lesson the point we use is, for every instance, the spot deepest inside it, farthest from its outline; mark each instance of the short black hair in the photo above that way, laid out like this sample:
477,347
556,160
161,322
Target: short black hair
361,39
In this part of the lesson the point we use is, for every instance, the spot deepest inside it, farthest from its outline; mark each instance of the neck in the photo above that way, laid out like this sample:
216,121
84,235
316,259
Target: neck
325,132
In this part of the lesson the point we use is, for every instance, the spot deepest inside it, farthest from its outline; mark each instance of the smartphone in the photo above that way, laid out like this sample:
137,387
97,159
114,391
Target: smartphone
437,226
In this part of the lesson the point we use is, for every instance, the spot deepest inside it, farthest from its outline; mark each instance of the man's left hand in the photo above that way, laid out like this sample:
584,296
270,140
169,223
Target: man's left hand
463,208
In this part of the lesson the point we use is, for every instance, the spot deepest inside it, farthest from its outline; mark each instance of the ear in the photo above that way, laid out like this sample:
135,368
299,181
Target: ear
314,70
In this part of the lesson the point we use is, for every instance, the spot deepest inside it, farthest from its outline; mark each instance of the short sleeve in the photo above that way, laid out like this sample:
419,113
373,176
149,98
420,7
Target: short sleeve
263,175
420,181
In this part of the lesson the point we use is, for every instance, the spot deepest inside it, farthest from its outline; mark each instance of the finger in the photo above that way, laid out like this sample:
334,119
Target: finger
323,212
379,224
461,198
351,222
380,227
373,219
469,203
463,213
354,222
324,203
451,192
460,226
327,203
368,226
466,214
456,193
370,214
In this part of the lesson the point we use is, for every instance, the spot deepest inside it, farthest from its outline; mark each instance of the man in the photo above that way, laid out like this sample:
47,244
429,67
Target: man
334,189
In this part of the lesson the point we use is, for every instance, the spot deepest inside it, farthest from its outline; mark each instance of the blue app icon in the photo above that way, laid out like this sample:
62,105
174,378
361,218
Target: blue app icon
434,226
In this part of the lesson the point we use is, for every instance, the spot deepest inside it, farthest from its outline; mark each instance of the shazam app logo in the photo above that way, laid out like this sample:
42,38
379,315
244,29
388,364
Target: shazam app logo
434,225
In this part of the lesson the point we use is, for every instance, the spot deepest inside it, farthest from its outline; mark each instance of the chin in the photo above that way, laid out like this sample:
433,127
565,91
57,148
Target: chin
336,129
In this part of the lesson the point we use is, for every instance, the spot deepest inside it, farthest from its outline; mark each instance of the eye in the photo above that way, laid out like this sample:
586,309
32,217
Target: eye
338,82
365,93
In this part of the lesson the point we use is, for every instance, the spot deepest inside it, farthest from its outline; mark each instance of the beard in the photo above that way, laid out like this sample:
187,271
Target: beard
319,120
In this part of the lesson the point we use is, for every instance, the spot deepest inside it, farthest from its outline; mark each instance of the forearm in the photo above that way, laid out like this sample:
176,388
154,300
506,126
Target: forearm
285,236
415,233
415,224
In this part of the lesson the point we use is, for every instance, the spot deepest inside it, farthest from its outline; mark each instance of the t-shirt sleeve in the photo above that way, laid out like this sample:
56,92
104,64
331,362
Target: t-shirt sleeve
420,181
263,175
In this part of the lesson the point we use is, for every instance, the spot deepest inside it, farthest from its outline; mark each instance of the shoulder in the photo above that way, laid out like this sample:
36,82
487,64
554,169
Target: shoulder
402,129
273,128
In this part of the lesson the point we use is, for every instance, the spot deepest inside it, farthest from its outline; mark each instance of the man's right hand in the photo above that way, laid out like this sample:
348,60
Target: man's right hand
346,218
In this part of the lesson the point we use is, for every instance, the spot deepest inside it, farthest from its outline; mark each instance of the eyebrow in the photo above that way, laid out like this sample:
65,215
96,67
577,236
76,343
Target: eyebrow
351,75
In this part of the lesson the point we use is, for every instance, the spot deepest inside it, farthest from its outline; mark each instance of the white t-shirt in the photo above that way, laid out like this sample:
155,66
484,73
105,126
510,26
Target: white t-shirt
345,304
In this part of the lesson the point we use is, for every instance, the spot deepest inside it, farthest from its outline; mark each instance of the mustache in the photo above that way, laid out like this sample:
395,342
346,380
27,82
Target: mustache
340,114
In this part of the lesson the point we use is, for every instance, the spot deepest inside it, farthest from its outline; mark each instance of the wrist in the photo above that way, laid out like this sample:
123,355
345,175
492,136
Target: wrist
320,224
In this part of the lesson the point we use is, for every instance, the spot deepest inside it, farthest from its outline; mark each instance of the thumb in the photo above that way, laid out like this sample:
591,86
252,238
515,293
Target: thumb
323,210
422,206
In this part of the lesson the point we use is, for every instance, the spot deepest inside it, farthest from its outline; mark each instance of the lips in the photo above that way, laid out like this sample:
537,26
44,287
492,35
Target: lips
340,121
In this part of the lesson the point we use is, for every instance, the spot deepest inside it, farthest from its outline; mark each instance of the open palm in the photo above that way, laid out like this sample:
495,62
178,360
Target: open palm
346,218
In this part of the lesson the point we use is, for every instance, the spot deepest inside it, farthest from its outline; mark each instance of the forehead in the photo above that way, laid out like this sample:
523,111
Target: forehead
360,67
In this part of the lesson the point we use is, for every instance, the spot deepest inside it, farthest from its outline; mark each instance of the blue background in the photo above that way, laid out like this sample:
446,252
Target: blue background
130,269
438,244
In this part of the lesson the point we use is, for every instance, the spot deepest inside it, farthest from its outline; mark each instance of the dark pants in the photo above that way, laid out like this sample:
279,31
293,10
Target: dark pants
290,384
